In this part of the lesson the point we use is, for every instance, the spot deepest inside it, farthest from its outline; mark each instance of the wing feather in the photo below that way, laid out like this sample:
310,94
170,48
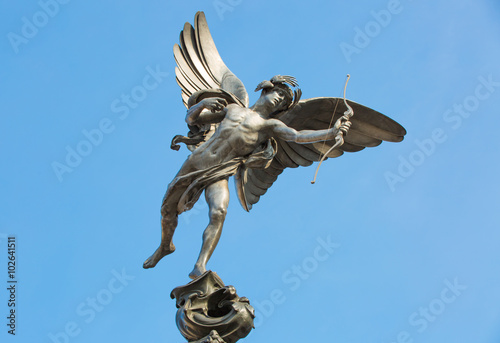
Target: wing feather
185,69
184,76
199,65
258,182
190,49
213,62
184,63
189,61
253,189
209,55
347,147
251,198
283,158
324,147
374,131
264,175
184,84
306,151
358,138
296,157
274,169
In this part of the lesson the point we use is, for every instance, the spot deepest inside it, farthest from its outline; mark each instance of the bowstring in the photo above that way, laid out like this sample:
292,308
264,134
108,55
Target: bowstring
330,124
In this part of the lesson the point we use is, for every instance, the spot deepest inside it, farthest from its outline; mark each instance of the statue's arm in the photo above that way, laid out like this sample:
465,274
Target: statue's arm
282,131
217,111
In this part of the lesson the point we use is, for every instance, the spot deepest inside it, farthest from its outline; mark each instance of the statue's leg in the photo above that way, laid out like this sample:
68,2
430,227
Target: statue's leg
169,217
168,226
217,196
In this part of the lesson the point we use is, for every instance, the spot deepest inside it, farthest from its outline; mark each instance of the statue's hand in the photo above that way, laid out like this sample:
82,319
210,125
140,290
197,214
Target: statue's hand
343,124
344,128
214,104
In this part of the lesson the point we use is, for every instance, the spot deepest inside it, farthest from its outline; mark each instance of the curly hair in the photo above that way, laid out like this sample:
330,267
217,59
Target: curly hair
283,82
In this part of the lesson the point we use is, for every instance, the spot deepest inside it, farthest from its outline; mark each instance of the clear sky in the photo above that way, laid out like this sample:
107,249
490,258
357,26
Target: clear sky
397,243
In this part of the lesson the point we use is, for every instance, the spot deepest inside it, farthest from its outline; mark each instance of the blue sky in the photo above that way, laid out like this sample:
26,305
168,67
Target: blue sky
413,226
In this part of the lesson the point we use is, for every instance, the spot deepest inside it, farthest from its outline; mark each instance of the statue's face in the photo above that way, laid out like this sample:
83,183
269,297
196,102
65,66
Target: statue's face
274,99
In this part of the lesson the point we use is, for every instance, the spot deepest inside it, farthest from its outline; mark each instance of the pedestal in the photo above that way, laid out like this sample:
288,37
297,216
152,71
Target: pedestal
208,311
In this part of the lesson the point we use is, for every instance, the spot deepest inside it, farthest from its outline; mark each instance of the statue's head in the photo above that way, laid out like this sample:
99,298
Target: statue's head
277,96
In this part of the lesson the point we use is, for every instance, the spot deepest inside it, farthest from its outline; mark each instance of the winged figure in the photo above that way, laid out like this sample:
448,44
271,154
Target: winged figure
256,143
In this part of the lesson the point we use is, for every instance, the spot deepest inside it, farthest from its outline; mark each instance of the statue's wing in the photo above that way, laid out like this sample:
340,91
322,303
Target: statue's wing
369,128
199,65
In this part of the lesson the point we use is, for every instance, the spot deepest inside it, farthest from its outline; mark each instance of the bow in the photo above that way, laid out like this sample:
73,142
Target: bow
339,138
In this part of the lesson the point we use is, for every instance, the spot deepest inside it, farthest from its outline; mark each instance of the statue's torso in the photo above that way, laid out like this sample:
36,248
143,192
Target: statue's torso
238,135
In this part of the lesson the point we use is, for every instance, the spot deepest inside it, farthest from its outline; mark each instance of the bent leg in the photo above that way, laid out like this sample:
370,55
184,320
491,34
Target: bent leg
169,215
217,197
168,225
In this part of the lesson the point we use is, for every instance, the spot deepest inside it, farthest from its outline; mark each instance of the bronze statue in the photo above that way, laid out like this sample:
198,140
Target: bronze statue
227,137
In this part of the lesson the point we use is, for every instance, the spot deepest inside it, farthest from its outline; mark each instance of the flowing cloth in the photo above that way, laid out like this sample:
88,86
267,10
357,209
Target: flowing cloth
185,190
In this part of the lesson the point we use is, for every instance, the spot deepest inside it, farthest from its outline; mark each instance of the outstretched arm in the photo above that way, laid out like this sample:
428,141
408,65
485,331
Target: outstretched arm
217,106
282,131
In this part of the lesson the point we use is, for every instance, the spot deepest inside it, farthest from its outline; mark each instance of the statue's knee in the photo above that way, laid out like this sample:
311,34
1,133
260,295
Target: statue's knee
163,212
218,213
167,212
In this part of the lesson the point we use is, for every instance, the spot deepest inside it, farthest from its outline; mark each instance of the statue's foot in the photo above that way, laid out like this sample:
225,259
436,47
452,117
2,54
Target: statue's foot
160,253
198,270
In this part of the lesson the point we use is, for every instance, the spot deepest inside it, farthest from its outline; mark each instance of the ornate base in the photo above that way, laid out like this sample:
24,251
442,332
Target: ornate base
210,312
212,338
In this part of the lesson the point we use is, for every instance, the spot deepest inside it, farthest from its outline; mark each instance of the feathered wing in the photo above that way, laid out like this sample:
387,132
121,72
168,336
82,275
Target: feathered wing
369,128
199,65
